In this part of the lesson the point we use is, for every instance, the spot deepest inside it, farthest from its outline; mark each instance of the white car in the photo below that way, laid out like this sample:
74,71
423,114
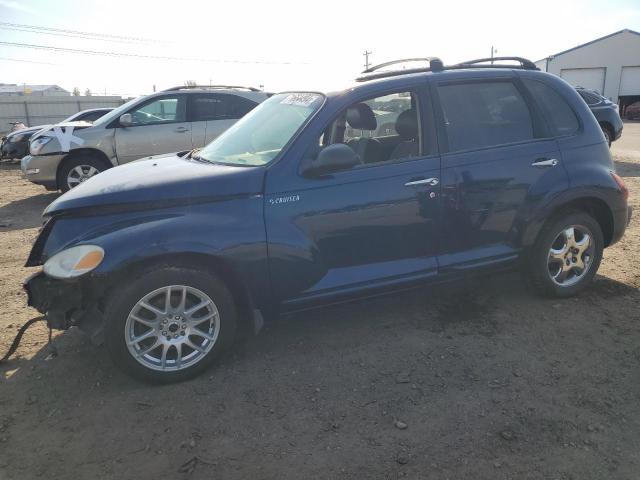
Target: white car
174,120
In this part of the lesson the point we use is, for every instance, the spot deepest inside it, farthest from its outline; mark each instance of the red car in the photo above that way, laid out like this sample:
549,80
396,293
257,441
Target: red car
632,112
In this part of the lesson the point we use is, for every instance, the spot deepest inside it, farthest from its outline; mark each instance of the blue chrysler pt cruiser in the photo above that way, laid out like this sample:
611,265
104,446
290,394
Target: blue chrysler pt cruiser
403,177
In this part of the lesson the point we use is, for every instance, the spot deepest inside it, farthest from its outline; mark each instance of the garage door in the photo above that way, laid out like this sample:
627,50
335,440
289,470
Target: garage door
630,81
591,78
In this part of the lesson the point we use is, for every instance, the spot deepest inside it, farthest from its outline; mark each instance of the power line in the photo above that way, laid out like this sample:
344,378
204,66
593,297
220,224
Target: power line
76,32
26,61
67,35
134,55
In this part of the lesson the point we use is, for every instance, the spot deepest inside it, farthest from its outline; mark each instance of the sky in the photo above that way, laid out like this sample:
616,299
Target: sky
279,44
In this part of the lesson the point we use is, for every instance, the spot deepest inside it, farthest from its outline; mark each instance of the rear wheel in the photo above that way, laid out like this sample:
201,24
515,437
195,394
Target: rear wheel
78,169
566,255
170,324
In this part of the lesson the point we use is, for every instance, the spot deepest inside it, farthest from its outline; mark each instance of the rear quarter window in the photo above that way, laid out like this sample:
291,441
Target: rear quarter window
484,114
560,117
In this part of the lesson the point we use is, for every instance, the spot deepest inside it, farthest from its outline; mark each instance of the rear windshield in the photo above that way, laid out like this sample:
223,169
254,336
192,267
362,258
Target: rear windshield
260,135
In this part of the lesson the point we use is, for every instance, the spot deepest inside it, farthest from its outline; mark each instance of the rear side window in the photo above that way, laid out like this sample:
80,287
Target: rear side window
220,107
484,114
590,97
560,116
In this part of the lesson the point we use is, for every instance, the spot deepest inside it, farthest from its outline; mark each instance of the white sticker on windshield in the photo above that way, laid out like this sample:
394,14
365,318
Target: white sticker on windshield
300,99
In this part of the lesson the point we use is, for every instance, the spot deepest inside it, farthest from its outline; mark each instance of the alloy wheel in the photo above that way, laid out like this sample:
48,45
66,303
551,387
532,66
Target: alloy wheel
79,174
172,328
570,255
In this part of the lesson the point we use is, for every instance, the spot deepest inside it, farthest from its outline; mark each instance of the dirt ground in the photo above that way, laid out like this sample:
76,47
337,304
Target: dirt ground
485,381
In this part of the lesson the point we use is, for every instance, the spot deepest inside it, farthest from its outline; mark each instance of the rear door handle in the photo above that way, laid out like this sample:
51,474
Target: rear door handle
182,129
425,181
545,162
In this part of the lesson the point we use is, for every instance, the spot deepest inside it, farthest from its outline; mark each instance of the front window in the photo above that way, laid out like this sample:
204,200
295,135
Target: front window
162,110
260,136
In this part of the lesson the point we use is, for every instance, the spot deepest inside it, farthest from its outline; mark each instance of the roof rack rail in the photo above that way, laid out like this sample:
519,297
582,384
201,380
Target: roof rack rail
524,63
187,87
435,65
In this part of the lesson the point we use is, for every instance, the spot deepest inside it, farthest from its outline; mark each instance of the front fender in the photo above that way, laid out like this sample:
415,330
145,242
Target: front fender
232,232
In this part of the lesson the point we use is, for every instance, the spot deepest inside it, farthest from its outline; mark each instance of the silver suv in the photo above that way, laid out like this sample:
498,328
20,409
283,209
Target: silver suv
178,119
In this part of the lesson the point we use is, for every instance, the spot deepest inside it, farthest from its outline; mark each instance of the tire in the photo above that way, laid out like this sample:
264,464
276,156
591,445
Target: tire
127,319
547,270
607,134
71,168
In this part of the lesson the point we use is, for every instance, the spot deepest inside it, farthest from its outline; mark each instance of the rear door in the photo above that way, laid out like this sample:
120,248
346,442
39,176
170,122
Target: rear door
498,164
159,126
213,113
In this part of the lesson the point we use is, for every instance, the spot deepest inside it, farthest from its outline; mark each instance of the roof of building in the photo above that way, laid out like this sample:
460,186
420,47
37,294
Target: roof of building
624,30
7,88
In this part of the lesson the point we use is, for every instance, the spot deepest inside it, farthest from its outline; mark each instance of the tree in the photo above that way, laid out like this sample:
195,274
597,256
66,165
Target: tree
76,92
87,92
190,83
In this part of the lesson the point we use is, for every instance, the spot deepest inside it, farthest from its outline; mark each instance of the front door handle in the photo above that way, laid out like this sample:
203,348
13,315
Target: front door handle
182,129
545,162
432,182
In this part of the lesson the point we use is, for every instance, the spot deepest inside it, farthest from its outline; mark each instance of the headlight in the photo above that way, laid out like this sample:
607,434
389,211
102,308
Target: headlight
74,261
16,138
36,145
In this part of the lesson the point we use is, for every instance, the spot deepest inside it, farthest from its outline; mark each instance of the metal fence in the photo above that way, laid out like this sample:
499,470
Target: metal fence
34,111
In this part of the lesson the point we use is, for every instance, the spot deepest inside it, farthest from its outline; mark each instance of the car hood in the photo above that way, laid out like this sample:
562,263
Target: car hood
28,131
76,126
158,182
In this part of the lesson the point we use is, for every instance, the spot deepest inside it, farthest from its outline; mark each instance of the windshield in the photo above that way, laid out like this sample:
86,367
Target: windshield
260,135
89,116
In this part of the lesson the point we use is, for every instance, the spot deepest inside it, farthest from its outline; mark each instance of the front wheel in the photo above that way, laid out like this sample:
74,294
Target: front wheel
78,169
566,255
170,324
607,135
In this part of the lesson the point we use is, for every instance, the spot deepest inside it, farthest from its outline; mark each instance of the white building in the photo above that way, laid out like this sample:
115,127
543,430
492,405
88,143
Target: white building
13,90
610,65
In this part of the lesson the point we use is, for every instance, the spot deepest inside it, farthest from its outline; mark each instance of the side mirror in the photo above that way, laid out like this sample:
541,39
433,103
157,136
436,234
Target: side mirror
333,158
126,120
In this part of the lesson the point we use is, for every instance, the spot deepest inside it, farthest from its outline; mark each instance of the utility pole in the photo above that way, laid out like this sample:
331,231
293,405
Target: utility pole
366,59
493,50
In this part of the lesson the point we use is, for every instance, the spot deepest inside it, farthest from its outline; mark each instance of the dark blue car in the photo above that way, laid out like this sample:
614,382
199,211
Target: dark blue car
308,200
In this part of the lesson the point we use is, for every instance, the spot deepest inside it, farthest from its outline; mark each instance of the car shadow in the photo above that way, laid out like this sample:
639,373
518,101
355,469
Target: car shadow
26,212
627,169
466,309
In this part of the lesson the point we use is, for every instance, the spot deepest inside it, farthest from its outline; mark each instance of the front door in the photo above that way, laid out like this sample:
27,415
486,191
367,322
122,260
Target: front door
372,225
159,126
500,164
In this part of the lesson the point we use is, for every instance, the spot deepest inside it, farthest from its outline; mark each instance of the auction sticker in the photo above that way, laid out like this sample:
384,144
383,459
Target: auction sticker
300,99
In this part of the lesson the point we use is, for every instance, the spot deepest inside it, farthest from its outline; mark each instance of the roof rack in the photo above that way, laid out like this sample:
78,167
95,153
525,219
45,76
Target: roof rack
436,65
213,87
524,63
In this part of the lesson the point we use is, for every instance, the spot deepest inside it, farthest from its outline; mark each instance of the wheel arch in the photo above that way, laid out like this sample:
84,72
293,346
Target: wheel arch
594,206
73,154
605,124
199,261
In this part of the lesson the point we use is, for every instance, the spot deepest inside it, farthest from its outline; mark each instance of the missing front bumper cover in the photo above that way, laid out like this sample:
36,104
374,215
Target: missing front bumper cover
64,305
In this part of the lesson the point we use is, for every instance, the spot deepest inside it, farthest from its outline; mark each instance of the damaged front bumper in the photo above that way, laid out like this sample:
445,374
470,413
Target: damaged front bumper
64,304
